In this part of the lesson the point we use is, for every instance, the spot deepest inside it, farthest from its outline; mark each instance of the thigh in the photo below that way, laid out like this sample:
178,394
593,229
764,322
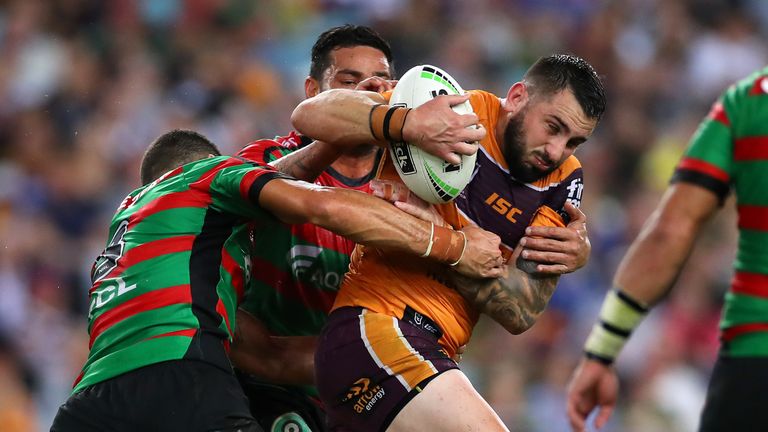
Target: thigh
451,392
282,408
368,366
737,396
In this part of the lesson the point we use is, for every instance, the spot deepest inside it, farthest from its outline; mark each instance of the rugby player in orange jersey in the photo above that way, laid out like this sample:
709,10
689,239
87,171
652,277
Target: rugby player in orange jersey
294,282
383,361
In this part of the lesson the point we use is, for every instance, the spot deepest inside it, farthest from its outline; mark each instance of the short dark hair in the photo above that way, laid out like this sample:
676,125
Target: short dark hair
173,149
554,73
345,36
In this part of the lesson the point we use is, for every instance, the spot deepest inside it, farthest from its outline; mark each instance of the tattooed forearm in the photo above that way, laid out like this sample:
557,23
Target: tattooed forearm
309,162
514,301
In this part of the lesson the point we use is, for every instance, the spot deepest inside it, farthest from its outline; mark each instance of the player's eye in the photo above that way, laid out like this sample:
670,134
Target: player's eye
554,129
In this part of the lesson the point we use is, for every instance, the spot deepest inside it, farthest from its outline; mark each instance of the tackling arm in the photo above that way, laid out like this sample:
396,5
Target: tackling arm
284,360
371,221
309,162
351,117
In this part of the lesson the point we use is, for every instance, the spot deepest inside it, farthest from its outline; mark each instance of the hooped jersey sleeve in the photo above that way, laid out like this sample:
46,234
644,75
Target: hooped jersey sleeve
730,139
708,160
266,151
235,184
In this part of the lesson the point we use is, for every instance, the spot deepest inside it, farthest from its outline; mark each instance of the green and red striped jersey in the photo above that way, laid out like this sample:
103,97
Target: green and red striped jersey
168,283
294,282
730,150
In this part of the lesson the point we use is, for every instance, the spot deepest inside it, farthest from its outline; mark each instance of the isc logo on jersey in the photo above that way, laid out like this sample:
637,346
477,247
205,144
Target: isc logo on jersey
429,177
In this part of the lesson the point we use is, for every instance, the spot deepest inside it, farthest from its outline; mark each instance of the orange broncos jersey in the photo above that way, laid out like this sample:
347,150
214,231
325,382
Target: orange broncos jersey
387,282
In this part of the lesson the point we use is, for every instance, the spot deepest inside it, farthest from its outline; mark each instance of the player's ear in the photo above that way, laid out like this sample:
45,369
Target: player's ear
517,97
311,87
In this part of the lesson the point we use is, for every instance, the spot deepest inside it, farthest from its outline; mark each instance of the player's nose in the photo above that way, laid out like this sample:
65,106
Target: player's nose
556,148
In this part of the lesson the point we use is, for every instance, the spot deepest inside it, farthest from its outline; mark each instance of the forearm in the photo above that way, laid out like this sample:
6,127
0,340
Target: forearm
282,360
337,116
309,162
373,222
649,269
514,301
295,367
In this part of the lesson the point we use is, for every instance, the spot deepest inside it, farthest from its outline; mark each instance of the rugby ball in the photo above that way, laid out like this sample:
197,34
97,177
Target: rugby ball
431,178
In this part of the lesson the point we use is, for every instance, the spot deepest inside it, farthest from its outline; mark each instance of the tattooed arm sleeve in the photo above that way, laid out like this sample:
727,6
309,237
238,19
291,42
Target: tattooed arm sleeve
515,301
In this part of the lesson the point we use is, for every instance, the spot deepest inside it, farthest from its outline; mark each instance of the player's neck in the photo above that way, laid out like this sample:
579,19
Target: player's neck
355,165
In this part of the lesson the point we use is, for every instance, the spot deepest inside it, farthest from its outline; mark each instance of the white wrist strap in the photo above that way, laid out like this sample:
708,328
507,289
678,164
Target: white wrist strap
619,316
431,240
462,250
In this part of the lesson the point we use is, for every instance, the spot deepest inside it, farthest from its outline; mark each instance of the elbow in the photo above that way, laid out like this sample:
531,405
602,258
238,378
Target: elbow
521,322
314,116
517,328
300,117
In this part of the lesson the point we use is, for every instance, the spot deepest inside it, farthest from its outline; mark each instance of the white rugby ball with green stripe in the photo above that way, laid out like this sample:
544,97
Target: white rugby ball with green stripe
431,178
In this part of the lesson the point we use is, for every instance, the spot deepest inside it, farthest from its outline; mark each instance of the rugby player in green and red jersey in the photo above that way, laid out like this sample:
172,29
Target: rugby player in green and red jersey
166,287
728,151
295,282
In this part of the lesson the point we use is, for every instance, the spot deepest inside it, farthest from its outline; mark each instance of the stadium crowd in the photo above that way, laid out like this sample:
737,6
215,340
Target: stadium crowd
85,84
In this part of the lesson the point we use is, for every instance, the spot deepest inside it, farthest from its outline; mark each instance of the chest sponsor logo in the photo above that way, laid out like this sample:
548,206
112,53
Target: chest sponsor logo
308,266
107,293
503,207
302,257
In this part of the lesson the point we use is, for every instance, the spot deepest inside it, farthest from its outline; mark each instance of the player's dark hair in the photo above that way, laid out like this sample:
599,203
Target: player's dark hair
173,149
552,74
344,36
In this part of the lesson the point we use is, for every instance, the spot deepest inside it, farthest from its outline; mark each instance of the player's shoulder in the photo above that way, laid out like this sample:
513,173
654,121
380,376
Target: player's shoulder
481,99
486,106
267,150
752,87
569,166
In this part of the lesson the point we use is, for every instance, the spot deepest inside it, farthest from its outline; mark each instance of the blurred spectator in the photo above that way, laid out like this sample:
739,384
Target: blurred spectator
86,83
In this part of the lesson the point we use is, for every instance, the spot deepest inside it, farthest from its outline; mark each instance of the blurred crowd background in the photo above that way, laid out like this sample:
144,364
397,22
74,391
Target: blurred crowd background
85,85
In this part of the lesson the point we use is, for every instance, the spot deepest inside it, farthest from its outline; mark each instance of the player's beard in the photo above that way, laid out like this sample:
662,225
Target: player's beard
514,152
361,150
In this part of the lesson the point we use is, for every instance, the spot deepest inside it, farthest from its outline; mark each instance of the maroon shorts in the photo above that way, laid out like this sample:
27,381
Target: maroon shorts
368,366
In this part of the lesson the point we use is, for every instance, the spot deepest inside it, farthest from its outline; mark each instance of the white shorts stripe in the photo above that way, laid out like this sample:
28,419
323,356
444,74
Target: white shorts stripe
373,353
